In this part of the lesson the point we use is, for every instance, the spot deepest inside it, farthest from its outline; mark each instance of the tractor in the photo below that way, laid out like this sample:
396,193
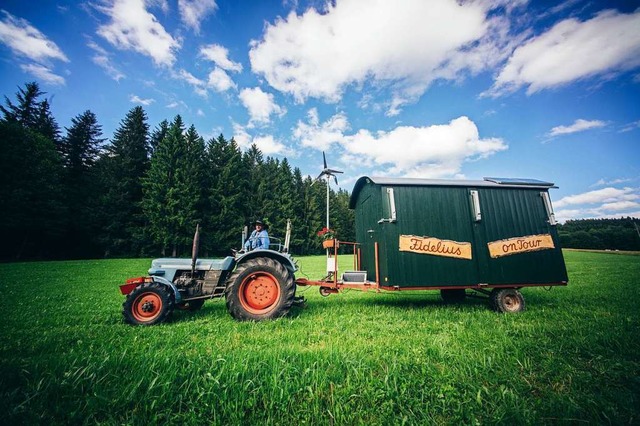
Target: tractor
257,285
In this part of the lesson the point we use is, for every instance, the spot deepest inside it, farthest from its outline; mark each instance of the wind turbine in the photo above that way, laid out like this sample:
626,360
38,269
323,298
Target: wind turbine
328,173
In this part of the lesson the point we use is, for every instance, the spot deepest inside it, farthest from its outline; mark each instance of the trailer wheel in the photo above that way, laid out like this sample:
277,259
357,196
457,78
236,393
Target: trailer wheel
456,295
148,304
507,300
260,289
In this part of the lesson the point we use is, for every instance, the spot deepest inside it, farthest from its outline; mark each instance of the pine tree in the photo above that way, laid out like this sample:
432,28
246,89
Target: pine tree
31,192
26,111
122,168
160,193
80,149
190,185
227,198
158,135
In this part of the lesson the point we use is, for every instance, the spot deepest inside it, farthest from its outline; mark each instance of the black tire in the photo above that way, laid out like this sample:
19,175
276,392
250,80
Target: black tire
508,300
456,295
149,304
260,289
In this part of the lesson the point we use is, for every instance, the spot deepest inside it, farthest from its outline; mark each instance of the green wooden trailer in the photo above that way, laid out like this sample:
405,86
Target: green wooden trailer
493,236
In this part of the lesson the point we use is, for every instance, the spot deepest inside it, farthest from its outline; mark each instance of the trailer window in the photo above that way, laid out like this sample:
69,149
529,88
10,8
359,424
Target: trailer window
549,208
391,203
475,203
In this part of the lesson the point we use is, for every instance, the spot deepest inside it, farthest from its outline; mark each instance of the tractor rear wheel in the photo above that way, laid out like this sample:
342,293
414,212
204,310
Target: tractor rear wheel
508,300
148,304
260,289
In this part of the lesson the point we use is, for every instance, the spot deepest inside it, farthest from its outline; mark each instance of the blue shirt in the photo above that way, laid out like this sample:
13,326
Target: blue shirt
257,240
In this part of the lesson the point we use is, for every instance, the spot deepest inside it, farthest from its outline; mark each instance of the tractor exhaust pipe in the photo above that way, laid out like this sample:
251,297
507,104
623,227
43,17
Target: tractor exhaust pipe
194,250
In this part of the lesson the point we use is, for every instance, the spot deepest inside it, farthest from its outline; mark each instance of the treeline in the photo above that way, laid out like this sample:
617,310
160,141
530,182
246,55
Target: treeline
601,234
141,193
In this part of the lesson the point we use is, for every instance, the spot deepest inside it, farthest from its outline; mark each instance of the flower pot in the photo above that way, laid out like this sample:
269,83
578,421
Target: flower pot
328,243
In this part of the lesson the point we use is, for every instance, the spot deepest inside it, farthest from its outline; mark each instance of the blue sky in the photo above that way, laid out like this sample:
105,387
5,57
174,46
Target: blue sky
415,88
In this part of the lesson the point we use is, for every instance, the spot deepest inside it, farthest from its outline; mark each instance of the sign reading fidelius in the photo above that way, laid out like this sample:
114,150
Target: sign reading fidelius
520,245
435,246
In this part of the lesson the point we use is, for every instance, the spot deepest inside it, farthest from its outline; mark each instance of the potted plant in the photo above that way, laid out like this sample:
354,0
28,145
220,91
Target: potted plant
328,237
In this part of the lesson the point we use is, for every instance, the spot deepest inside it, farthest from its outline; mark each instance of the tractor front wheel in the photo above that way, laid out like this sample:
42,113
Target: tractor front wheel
148,304
260,289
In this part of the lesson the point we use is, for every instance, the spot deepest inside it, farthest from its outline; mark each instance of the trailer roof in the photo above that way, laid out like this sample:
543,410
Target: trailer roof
490,182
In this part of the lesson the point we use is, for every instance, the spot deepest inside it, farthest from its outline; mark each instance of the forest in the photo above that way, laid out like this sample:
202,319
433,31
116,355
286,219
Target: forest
601,234
78,195
75,194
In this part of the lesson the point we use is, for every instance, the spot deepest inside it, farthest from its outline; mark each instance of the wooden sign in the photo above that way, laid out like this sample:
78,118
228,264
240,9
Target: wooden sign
435,246
520,245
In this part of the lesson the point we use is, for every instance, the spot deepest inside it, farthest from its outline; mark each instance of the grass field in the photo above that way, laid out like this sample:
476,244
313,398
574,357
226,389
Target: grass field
66,357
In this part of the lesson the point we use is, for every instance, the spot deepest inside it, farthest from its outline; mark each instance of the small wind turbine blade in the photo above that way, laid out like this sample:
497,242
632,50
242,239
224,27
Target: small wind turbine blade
331,171
336,179
324,159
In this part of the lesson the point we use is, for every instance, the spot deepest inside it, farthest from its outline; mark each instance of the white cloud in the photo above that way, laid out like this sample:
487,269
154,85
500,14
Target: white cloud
193,12
600,196
25,40
603,182
102,59
261,105
631,126
433,151
220,56
321,135
269,145
604,45
138,100
401,45
220,81
43,73
199,86
200,113
132,27
579,125
266,143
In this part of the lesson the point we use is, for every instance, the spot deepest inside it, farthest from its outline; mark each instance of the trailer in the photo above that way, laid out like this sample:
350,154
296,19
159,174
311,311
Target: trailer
493,236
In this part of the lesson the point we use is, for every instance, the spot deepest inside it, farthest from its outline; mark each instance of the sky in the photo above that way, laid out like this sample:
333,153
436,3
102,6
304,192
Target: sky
408,88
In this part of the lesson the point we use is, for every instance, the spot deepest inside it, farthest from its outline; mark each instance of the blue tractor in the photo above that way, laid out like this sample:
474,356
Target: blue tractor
257,285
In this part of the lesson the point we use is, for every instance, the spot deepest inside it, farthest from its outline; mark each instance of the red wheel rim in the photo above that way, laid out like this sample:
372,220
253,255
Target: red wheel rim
147,307
259,292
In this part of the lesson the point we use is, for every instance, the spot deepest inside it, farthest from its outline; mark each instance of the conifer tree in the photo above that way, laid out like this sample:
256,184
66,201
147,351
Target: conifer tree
160,193
122,167
190,185
80,148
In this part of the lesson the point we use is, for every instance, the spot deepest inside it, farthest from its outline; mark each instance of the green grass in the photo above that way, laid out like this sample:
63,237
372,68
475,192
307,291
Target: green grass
66,357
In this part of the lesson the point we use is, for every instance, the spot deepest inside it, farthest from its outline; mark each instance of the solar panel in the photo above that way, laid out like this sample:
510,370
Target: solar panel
518,181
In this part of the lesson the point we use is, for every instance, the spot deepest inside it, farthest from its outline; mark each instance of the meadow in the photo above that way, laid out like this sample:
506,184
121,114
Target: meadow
66,356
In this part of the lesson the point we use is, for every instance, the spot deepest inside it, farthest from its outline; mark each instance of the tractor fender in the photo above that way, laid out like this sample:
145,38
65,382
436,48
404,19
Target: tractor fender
170,285
284,259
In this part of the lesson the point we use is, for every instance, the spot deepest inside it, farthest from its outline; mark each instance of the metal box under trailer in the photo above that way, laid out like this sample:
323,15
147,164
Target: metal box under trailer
456,234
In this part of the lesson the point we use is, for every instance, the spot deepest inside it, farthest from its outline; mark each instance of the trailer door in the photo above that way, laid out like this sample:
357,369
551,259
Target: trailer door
368,231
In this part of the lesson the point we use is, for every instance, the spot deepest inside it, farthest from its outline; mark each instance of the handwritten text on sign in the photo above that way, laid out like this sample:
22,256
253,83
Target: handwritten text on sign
520,245
435,246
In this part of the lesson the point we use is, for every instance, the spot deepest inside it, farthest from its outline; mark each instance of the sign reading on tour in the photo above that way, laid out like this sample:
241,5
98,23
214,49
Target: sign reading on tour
435,246
520,245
